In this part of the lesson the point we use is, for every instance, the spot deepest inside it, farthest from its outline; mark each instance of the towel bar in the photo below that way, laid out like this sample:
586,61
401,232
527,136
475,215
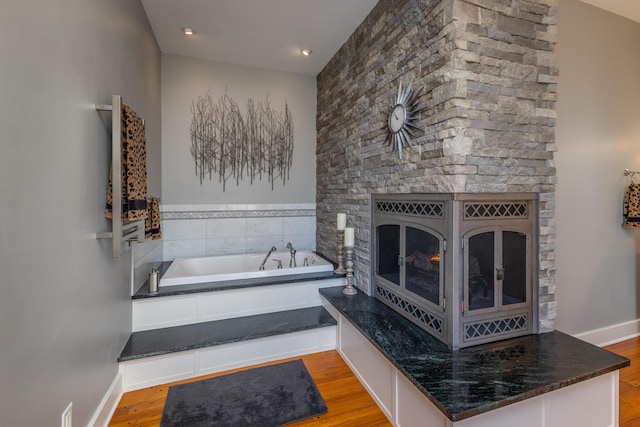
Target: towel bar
121,232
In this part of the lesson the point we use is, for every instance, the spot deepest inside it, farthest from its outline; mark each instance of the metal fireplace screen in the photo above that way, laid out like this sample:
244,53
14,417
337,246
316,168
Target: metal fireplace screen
459,266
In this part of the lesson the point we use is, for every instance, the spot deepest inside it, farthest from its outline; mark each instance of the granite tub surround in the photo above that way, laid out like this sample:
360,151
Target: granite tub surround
189,337
223,229
168,291
472,381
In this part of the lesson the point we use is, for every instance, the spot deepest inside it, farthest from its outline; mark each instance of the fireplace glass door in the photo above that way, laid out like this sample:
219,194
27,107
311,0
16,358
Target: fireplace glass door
422,265
388,252
409,257
495,270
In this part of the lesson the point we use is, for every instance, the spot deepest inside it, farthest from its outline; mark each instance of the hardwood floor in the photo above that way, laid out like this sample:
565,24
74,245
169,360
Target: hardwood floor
348,402
629,382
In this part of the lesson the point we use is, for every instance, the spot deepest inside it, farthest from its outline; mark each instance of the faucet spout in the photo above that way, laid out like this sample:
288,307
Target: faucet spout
292,251
273,249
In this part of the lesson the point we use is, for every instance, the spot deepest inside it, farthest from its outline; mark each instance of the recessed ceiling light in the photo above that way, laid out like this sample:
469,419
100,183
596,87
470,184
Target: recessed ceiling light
188,31
306,52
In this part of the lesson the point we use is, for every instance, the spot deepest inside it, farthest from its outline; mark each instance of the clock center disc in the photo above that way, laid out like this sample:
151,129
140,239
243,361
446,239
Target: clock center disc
397,118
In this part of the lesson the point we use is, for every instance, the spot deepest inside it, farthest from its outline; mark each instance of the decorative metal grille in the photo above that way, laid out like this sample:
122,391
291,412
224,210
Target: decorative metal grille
432,322
474,210
495,327
424,209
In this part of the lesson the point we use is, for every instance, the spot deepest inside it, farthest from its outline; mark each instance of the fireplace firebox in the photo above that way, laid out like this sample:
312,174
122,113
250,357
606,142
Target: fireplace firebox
460,266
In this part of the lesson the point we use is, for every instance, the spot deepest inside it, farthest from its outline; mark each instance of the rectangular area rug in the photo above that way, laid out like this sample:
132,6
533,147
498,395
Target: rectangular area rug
269,396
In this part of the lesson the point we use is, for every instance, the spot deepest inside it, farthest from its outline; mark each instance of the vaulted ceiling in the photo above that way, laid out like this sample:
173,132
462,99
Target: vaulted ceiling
271,33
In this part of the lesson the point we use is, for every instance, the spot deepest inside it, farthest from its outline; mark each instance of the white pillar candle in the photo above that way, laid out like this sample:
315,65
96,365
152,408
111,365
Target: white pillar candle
342,221
349,237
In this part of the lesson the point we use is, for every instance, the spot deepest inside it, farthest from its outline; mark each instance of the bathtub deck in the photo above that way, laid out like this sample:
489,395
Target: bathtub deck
166,291
189,337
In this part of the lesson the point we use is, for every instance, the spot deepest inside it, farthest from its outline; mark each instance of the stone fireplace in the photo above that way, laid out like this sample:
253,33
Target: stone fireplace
460,266
486,114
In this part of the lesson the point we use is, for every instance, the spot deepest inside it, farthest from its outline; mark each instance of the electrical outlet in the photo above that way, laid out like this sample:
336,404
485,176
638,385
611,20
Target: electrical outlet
67,416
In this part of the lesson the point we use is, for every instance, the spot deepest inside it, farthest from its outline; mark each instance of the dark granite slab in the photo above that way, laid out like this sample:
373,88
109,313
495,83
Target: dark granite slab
188,337
166,291
470,381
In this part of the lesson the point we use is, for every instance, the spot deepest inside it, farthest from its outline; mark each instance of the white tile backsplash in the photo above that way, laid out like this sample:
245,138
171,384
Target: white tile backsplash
299,224
259,244
301,241
184,248
145,255
281,206
265,227
226,246
184,229
226,227
250,229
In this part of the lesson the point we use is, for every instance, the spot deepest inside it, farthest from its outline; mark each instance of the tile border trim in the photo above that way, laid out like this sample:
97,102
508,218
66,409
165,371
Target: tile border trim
252,213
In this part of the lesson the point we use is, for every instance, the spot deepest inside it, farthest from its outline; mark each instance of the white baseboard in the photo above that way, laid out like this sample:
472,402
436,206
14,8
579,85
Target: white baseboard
611,334
109,403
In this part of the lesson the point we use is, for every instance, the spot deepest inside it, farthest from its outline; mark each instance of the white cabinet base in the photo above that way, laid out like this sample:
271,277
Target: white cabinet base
591,403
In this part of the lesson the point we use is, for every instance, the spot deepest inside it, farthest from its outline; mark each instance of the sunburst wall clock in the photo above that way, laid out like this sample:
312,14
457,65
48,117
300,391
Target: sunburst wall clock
402,118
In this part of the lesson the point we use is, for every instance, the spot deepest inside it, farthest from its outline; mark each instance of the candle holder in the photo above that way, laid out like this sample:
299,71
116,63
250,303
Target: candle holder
349,289
340,269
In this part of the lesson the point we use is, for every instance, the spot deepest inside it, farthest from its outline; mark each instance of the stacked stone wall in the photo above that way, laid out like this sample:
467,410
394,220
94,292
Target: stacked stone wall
488,73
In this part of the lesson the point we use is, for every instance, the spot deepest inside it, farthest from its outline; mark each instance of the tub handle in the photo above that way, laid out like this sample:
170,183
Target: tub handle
279,261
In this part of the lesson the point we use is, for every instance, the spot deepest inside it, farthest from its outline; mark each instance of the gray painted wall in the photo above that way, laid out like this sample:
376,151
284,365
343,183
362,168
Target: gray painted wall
65,309
185,79
598,136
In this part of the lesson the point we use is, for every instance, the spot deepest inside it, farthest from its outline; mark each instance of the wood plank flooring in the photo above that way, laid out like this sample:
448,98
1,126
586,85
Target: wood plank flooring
629,382
348,402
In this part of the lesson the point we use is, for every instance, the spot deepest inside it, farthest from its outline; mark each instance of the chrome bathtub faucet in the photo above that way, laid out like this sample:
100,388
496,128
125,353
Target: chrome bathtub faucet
273,249
292,251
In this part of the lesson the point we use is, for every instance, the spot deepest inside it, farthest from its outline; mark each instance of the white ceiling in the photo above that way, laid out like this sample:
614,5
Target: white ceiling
258,33
627,8
270,33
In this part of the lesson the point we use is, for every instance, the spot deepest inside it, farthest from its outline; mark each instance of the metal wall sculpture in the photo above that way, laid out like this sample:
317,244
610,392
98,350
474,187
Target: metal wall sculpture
232,146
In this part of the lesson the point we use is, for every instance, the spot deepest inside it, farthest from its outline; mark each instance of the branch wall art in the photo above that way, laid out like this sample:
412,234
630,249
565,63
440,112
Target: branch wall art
225,143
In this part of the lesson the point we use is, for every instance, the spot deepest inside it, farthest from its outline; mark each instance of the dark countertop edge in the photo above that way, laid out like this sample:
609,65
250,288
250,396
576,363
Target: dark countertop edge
143,291
528,395
213,343
532,393
459,416
207,344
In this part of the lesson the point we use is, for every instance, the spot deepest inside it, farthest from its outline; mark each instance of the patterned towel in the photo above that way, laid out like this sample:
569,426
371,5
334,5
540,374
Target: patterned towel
152,223
134,168
631,206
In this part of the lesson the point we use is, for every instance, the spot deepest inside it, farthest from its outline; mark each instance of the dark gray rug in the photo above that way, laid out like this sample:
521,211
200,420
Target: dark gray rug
273,395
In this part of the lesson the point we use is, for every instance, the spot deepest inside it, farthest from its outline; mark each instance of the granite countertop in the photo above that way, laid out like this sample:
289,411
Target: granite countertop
466,382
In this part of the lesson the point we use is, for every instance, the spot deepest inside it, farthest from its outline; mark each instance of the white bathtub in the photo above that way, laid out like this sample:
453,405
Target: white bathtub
184,271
